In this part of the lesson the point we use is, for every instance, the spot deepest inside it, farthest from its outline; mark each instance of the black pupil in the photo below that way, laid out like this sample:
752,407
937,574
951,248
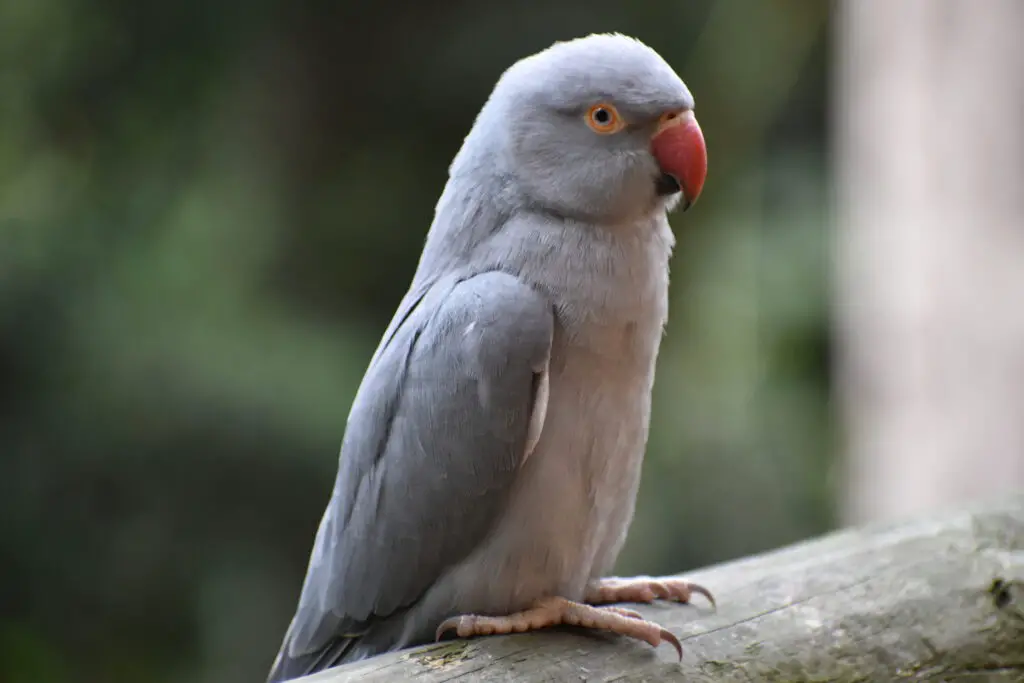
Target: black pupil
602,116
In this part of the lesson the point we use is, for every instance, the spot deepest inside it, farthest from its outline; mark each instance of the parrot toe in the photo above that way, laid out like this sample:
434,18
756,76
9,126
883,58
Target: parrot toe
555,611
632,614
643,589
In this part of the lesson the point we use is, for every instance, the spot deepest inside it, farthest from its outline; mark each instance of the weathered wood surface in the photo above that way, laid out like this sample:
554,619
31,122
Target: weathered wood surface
938,599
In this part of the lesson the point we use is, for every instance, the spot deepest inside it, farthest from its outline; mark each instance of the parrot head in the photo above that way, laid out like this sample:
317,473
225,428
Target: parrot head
597,128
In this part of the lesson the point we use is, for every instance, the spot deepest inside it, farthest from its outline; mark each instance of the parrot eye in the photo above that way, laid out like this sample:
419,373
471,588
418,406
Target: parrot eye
604,118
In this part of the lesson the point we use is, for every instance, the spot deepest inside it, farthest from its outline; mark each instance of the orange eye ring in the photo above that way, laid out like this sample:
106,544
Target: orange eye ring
604,118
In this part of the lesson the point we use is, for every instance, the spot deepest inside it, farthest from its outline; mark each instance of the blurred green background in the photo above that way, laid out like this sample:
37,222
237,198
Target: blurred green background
208,212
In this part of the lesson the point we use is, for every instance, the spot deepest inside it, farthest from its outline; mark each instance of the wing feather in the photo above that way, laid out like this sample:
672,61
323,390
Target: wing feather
452,403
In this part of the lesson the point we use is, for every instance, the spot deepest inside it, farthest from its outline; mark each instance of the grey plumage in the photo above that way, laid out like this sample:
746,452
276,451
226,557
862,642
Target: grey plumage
493,451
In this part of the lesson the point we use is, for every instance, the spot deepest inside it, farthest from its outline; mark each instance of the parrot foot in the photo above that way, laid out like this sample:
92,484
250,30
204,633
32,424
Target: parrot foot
643,589
556,611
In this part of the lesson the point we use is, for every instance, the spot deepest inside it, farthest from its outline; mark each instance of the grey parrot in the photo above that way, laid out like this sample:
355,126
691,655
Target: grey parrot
490,462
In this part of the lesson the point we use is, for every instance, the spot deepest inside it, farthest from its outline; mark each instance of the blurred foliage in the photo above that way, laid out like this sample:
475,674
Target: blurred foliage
208,212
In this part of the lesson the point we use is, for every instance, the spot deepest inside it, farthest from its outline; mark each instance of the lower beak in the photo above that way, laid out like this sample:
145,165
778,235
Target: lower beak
678,147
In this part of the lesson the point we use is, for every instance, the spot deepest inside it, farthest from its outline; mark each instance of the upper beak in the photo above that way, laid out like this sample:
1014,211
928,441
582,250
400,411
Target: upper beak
678,147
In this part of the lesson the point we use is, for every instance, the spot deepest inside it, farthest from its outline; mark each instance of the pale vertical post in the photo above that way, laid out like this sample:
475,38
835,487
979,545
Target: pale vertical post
929,297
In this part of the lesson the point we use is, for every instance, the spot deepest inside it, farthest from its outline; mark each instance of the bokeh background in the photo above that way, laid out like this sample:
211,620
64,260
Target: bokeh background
208,212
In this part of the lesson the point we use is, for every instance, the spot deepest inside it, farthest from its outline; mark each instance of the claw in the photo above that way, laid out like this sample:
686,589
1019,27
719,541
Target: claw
696,588
447,625
671,638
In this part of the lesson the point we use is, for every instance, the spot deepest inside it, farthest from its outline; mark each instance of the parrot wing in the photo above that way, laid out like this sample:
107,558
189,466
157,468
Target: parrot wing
451,405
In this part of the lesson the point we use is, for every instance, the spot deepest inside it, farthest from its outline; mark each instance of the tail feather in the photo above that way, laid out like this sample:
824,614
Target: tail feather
376,637
286,667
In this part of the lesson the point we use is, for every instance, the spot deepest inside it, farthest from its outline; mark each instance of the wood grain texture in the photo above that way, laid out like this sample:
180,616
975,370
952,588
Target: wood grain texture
937,599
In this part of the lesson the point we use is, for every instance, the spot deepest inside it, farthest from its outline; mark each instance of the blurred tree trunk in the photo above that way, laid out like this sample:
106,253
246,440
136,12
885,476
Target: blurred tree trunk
929,123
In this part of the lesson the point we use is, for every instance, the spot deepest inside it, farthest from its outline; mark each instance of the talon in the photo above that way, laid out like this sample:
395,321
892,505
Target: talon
671,638
696,588
447,625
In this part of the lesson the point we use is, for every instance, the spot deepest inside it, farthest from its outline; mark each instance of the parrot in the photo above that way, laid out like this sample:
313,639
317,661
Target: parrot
491,458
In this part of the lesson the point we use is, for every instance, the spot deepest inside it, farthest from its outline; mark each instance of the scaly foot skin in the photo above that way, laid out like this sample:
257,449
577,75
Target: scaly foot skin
554,611
643,589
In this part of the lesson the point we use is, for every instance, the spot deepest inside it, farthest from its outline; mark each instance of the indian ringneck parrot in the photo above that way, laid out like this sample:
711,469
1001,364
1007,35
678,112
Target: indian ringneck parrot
490,462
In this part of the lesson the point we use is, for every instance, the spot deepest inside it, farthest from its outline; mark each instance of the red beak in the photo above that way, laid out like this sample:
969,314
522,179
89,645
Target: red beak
678,147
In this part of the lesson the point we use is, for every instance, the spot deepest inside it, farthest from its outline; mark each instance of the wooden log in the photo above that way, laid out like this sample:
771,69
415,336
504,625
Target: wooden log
937,599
